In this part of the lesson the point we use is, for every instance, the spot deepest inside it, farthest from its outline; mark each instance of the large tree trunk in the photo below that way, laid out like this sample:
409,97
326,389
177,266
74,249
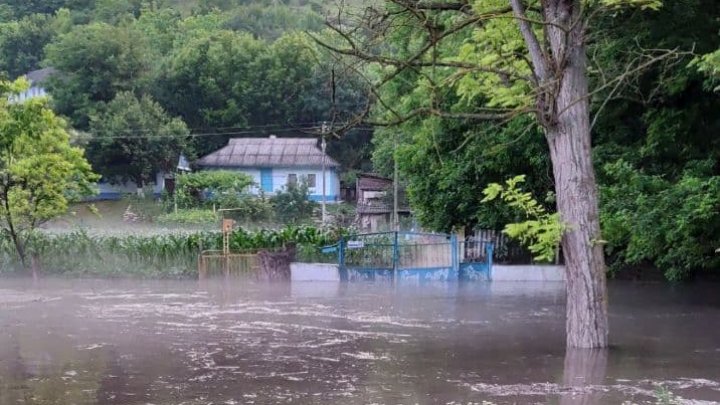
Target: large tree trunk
568,136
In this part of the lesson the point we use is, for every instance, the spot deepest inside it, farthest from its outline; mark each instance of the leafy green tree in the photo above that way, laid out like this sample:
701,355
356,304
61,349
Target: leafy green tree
503,59
95,62
113,11
286,77
40,172
22,8
446,165
22,43
161,27
710,65
272,21
671,224
135,138
208,80
653,151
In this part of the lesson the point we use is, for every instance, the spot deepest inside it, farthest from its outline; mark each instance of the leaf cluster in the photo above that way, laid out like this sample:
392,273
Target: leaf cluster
541,232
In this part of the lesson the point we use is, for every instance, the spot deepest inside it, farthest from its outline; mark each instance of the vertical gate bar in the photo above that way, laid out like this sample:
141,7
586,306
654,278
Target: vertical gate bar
455,256
341,260
396,257
489,250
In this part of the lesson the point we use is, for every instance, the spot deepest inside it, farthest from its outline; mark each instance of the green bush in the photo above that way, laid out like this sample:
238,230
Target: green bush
204,189
247,208
189,217
292,205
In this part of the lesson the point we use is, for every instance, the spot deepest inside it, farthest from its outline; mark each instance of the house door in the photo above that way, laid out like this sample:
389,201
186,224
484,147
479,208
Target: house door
266,181
170,186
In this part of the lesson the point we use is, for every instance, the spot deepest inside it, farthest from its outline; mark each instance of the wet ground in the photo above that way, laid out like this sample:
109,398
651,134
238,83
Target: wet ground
172,342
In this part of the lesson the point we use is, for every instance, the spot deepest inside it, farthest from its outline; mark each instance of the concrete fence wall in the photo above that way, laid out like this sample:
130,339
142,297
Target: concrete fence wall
528,272
314,272
542,273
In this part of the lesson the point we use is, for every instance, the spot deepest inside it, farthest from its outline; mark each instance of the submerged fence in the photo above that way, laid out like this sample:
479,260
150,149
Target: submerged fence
402,255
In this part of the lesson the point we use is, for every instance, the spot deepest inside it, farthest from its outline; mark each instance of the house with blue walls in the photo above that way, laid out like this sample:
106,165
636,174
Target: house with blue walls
275,163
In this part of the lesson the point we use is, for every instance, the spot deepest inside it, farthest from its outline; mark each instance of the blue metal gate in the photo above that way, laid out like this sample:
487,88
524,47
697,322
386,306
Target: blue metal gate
412,255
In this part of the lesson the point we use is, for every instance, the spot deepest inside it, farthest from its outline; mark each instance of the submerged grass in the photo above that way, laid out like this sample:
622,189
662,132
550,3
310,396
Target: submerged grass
173,255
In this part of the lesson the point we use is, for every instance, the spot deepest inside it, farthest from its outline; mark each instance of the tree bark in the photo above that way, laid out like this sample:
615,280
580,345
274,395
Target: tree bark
568,136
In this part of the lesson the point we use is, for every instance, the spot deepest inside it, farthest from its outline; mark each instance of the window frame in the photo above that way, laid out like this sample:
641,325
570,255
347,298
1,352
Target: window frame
313,183
292,179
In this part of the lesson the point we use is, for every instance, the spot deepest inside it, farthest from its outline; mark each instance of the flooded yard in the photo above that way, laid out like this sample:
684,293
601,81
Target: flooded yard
180,342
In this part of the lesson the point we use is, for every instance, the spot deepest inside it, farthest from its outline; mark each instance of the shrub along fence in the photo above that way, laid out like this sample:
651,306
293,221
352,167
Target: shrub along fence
167,256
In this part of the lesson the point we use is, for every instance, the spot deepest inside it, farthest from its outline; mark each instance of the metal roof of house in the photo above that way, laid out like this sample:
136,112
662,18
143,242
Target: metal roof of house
268,152
373,182
40,76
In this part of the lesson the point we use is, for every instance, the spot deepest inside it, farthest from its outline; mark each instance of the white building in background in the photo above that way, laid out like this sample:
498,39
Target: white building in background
275,163
37,79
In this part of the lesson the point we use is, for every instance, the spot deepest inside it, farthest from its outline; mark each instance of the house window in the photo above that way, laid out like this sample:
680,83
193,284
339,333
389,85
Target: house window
311,180
292,179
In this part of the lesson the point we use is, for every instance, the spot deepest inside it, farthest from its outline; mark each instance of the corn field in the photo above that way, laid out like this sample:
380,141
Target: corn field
167,256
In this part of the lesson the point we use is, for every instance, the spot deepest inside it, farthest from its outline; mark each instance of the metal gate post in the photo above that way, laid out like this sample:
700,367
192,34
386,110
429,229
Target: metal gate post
341,260
489,248
455,258
396,257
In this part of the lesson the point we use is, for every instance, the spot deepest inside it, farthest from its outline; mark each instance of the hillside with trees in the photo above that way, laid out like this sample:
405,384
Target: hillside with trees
197,72
211,69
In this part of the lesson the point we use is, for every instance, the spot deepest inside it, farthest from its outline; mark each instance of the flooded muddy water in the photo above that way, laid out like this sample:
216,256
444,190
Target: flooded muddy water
180,342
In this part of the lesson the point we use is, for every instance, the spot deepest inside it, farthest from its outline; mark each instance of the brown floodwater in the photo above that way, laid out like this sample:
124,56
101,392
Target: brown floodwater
180,342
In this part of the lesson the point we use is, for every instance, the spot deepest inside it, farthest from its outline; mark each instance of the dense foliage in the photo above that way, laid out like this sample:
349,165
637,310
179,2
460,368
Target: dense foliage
203,189
655,154
135,139
223,68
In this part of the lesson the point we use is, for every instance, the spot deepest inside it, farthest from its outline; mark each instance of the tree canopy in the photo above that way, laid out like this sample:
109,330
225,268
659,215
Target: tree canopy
133,139
224,68
40,172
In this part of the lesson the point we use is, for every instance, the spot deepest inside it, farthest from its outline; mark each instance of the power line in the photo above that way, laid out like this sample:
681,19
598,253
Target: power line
243,128
208,134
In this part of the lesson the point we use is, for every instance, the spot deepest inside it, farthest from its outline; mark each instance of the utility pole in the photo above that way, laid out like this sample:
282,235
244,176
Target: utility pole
323,145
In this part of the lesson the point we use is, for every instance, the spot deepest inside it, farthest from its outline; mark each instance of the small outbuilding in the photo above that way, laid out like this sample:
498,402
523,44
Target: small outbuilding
374,203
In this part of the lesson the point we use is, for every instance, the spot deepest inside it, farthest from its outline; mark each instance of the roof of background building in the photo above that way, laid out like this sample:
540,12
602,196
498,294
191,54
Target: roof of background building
41,75
268,152
373,182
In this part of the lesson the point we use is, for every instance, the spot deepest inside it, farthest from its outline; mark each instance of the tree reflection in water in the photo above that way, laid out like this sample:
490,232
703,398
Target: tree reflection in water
584,371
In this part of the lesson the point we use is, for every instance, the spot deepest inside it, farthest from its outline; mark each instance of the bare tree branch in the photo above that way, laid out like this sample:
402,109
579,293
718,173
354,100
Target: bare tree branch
537,55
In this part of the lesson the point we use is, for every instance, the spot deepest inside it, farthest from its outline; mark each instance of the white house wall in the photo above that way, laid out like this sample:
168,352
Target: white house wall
28,94
115,191
280,180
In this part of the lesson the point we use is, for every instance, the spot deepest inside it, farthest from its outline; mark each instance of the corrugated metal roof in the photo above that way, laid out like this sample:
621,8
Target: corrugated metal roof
40,76
268,152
